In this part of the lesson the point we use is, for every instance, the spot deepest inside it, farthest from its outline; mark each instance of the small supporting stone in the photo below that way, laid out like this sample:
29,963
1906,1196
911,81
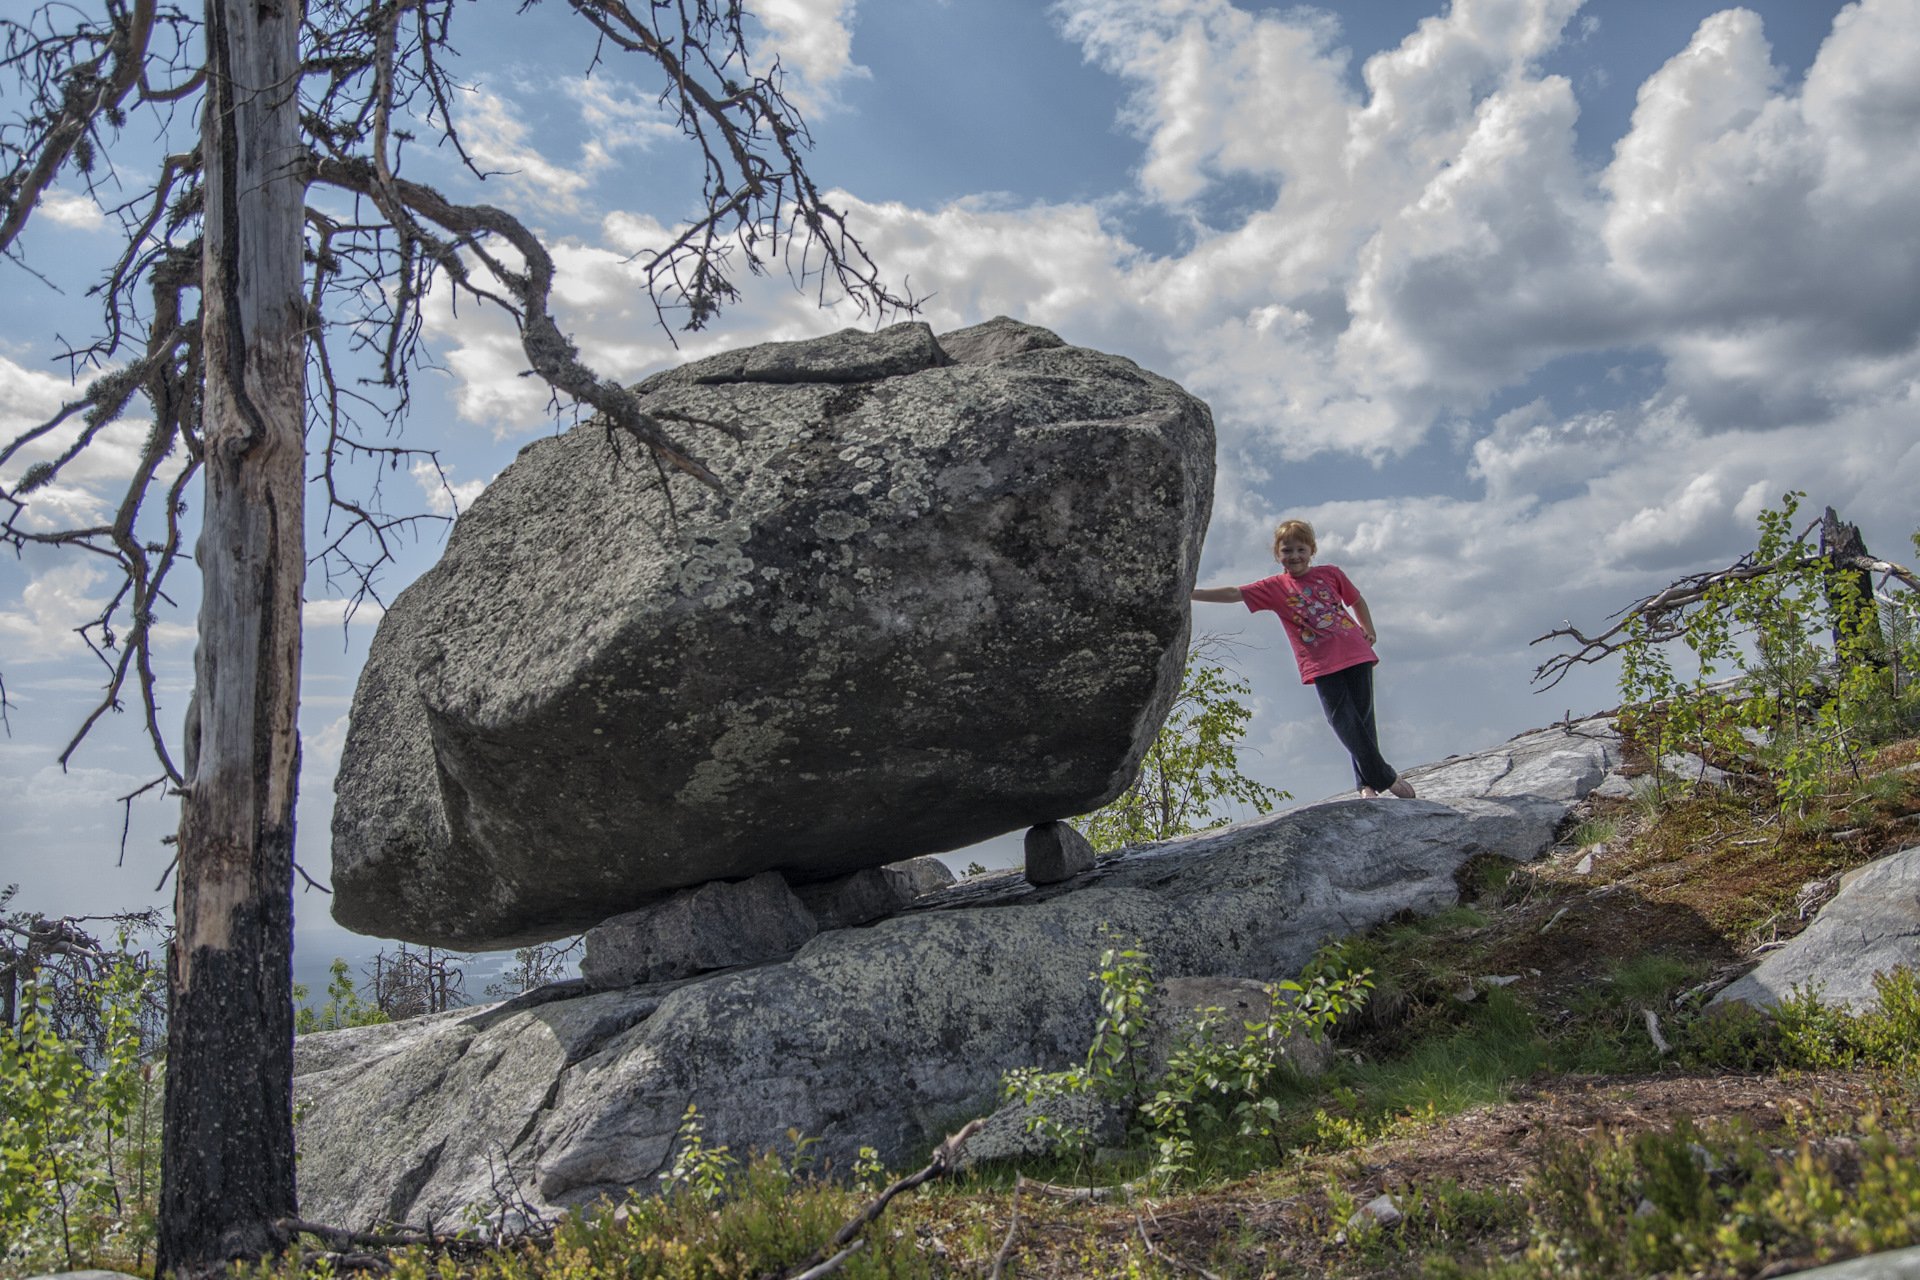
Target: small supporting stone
1056,852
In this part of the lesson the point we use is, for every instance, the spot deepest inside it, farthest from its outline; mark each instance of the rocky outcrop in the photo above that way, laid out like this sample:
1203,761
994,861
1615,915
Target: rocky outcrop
940,593
1872,925
889,1035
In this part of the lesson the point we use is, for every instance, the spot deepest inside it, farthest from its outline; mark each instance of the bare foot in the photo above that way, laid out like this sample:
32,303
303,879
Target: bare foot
1402,788
1368,793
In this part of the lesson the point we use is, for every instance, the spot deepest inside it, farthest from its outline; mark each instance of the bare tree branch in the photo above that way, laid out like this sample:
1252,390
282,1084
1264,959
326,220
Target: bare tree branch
287,128
81,79
1660,614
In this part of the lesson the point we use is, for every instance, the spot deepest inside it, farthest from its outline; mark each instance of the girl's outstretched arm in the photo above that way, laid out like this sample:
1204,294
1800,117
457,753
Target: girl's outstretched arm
1365,615
1217,595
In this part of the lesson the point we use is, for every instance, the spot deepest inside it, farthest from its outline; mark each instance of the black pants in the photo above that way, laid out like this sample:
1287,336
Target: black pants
1347,698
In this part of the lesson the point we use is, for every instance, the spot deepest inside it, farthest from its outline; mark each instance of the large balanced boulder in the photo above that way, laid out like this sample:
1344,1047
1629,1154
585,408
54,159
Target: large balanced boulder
891,1035
939,593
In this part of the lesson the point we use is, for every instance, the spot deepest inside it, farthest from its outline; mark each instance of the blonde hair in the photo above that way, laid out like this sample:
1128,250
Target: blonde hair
1294,531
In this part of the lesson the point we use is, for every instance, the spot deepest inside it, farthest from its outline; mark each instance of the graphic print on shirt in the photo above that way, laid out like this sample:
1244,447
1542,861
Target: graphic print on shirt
1317,611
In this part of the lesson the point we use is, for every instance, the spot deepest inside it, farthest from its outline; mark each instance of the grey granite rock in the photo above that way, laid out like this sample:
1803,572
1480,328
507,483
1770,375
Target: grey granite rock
922,875
717,925
1895,1264
891,1035
1870,926
1056,852
935,598
866,896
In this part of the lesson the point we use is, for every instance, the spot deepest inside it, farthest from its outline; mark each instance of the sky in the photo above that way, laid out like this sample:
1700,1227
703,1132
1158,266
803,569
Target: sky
1530,306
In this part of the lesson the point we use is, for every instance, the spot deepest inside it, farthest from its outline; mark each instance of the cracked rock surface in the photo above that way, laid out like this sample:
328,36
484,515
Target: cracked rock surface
893,1034
940,594
1871,926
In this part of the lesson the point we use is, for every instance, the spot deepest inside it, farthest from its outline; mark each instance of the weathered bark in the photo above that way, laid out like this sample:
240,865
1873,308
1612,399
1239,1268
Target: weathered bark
1855,613
227,1174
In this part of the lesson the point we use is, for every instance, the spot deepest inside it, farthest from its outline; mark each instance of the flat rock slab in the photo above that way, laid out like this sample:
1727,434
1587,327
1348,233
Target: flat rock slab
891,1035
1871,926
1897,1264
939,595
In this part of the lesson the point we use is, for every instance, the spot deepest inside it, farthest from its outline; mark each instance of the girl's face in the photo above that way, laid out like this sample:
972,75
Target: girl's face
1295,556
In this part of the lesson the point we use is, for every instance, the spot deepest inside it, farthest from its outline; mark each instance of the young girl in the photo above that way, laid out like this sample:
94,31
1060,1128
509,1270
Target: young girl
1335,652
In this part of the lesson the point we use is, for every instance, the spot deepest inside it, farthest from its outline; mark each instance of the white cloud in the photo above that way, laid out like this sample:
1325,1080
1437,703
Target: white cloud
320,754
501,145
54,604
813,39
1213,84
52,787
617,117
336,613
444,495
1768,234
72,209
1529,450
28,397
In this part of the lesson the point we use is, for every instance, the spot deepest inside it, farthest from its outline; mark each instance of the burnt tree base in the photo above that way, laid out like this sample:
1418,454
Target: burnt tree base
230,1082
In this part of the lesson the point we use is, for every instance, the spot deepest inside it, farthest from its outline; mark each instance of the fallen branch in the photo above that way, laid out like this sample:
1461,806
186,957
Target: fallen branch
1660,1044
341,1239
834,1263
343,1261
1013,1229
835,1252
1161,1254
1125,1190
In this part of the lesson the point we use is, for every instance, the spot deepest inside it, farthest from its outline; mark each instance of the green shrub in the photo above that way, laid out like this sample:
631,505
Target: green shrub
1192,768
1818,703
1818,1036
1218,1082
1683,1202
79,1129
344,1007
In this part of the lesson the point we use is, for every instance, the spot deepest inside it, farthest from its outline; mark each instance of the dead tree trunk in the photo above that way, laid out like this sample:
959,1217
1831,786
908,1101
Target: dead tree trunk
227,1174
1856,617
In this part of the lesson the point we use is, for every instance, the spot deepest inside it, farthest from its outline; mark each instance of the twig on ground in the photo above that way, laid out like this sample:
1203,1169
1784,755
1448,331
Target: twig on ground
1653,1032
340,1238
1152,1252
1125,1190
834,1263
1013,1230
944,1157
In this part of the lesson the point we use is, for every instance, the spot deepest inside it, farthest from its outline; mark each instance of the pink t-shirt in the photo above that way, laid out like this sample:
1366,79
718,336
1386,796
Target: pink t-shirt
1312,607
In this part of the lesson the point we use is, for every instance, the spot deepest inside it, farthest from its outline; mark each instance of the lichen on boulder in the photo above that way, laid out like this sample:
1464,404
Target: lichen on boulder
939,594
